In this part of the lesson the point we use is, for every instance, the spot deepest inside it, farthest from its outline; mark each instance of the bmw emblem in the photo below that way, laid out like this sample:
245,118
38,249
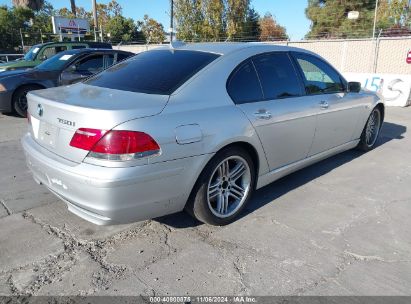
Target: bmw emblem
40,110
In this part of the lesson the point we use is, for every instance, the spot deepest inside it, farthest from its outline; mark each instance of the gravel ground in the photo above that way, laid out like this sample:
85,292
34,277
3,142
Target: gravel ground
340,227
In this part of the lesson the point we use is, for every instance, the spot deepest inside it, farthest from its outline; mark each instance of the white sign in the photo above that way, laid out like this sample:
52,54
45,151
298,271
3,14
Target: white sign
395,88
65,57
67,26
353,15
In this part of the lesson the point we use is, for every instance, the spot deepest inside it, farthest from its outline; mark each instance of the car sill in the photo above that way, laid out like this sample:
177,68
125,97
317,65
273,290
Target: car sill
276,174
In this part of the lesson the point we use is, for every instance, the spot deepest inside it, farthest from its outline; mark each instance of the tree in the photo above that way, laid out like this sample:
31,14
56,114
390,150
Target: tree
42,19
11,20
189,18
271,30
329,18
252,30
35,5
114,8
107,11
152,30
394,18
121,29
236,18
213,20
216,20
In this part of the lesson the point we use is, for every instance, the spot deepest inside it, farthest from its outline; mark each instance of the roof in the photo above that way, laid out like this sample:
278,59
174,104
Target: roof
92,50
91,43
225,48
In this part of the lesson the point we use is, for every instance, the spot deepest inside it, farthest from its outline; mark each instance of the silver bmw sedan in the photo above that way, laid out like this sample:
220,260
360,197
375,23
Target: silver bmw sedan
196,127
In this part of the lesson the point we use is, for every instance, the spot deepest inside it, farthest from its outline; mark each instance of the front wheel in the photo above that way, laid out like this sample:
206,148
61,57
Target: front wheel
371,131
223,188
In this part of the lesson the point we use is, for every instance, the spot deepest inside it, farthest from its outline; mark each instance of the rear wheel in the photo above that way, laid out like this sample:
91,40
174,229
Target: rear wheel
20,99
371,131
224,187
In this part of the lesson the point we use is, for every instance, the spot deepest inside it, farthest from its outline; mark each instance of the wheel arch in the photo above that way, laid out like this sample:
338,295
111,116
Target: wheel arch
381,106
248,147
29,84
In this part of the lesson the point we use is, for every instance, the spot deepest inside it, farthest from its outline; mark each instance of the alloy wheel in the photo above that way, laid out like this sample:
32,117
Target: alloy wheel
373,128
229,186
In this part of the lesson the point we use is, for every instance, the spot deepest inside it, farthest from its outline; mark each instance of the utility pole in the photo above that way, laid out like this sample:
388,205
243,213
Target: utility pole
375,19
95,18
22,40
171,20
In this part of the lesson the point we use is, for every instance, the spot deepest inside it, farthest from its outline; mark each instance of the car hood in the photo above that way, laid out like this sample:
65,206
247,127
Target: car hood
34,74
13,73
17,64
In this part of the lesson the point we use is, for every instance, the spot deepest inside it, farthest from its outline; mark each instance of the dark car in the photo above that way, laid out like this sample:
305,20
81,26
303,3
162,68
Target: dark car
62,69
40,52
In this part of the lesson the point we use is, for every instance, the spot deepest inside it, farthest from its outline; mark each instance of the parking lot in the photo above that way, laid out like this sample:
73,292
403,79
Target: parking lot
340,227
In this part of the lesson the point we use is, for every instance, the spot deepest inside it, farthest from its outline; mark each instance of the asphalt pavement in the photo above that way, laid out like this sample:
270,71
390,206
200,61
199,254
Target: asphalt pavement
340,227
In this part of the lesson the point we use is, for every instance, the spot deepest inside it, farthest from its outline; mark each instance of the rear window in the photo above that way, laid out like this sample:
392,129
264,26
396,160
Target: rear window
154,72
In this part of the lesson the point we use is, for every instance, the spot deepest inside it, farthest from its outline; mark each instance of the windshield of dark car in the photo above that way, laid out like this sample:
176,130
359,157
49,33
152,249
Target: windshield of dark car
32,53
55,63
153,72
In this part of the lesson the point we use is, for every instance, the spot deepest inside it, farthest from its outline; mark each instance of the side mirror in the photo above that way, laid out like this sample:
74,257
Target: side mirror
71,69
70,75
354,87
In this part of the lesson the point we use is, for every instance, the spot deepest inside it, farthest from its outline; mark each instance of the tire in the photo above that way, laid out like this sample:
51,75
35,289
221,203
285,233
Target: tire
371,131
221,194
20,100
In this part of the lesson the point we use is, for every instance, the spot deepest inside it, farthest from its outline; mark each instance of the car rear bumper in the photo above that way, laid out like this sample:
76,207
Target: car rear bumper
105,195
5,101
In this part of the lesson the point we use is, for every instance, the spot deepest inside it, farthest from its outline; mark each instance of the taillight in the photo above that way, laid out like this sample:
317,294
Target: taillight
115,145
85,138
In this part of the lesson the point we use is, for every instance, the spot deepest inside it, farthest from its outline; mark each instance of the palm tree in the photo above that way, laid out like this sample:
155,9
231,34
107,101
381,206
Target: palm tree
32,4
73,7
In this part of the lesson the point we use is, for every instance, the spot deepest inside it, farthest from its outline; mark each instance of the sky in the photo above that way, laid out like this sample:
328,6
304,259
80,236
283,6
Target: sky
288,13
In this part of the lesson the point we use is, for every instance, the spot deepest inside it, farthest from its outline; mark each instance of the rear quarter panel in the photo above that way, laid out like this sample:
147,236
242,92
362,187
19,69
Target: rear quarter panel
218,127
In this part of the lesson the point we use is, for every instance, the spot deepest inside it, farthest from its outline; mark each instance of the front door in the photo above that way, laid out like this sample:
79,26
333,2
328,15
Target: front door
82,69
338,111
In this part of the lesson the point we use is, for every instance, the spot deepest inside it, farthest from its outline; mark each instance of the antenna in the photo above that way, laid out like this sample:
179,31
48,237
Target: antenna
176,44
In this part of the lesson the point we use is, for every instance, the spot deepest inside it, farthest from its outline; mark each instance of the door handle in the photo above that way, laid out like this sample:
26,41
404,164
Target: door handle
263,115
324,105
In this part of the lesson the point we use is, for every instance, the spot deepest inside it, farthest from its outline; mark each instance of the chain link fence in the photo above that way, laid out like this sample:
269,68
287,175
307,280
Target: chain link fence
382,55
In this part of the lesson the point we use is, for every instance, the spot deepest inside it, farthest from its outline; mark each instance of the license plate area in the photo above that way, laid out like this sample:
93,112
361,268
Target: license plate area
47,134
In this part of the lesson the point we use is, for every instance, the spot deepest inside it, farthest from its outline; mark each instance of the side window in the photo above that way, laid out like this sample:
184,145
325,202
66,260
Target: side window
61,48
109,60
243,85
277,75
49,52
90,65
122,56
320,78
53,50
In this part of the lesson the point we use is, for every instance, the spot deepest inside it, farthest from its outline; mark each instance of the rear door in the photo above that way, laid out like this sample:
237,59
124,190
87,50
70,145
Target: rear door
283,118
338,111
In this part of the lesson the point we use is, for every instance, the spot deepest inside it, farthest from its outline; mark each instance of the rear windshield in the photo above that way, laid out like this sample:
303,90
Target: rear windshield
153,72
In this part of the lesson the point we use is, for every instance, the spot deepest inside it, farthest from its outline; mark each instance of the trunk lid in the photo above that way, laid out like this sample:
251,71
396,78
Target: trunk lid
57,113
